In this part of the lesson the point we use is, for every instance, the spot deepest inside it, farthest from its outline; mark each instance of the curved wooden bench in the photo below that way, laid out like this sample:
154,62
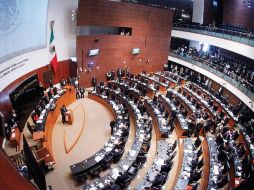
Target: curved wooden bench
47,152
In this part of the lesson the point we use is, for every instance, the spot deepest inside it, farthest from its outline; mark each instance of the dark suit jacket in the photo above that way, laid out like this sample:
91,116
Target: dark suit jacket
63,110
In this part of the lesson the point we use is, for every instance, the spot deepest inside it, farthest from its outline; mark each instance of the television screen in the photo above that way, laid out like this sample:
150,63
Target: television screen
135,51
93,52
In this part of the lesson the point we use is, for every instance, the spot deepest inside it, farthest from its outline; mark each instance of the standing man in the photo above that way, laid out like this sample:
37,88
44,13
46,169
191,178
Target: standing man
94,82
109,75
63,113
82,92
119,73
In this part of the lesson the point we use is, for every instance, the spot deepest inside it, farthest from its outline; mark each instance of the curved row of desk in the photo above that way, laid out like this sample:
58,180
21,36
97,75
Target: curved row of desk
106,155
233,119
126,164
143,88
165,154
47,120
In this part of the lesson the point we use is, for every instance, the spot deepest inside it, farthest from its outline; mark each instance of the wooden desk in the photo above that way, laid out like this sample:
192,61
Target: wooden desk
70,117
103,102
39,135
66,99
155,122
15,137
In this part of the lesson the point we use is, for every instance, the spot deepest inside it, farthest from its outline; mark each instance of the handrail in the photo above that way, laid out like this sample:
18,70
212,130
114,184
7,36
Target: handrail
242,37
206,65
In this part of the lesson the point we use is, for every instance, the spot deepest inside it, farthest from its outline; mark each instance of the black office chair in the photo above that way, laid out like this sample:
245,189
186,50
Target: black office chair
167,167
81,177
195,186
173,154
112,186
215,108
141,159
236,135
241,152
95,171
127,181
219,139
137,165
171,129
225,179
226,167
199,152
200,164
109,85
124,181
107,161
222,114
198,106
173,146
117,155
158,181
187,133
195,177
197,142
132,171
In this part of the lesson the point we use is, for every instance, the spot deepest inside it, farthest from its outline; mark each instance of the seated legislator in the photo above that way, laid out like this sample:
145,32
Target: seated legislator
65,112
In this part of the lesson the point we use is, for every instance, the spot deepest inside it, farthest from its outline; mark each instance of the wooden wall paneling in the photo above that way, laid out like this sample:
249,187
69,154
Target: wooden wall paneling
208,14
237,12
5,103
150,32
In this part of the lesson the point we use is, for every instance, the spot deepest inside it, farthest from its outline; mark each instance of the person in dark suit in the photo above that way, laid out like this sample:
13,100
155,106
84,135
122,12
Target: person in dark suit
63,83
51,84
50,95
108,75
169,94
77,93
158,180
112,125
122,177
173,116
63,113
94,82
112,75
166,167
55,90
119,73
82,92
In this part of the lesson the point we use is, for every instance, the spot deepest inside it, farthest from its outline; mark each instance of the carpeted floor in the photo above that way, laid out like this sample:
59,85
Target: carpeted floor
91,120
96,132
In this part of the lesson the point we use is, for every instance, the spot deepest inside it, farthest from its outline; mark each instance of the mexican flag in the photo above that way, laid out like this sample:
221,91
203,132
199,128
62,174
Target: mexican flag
52,50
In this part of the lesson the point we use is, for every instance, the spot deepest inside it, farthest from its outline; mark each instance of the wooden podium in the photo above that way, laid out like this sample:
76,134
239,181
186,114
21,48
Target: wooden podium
15,136
69,116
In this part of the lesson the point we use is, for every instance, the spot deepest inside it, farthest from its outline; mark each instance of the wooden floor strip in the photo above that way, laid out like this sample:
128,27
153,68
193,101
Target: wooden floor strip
68,149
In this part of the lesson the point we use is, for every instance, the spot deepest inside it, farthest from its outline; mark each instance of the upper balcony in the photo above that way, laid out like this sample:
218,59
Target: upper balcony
238,42
211,71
